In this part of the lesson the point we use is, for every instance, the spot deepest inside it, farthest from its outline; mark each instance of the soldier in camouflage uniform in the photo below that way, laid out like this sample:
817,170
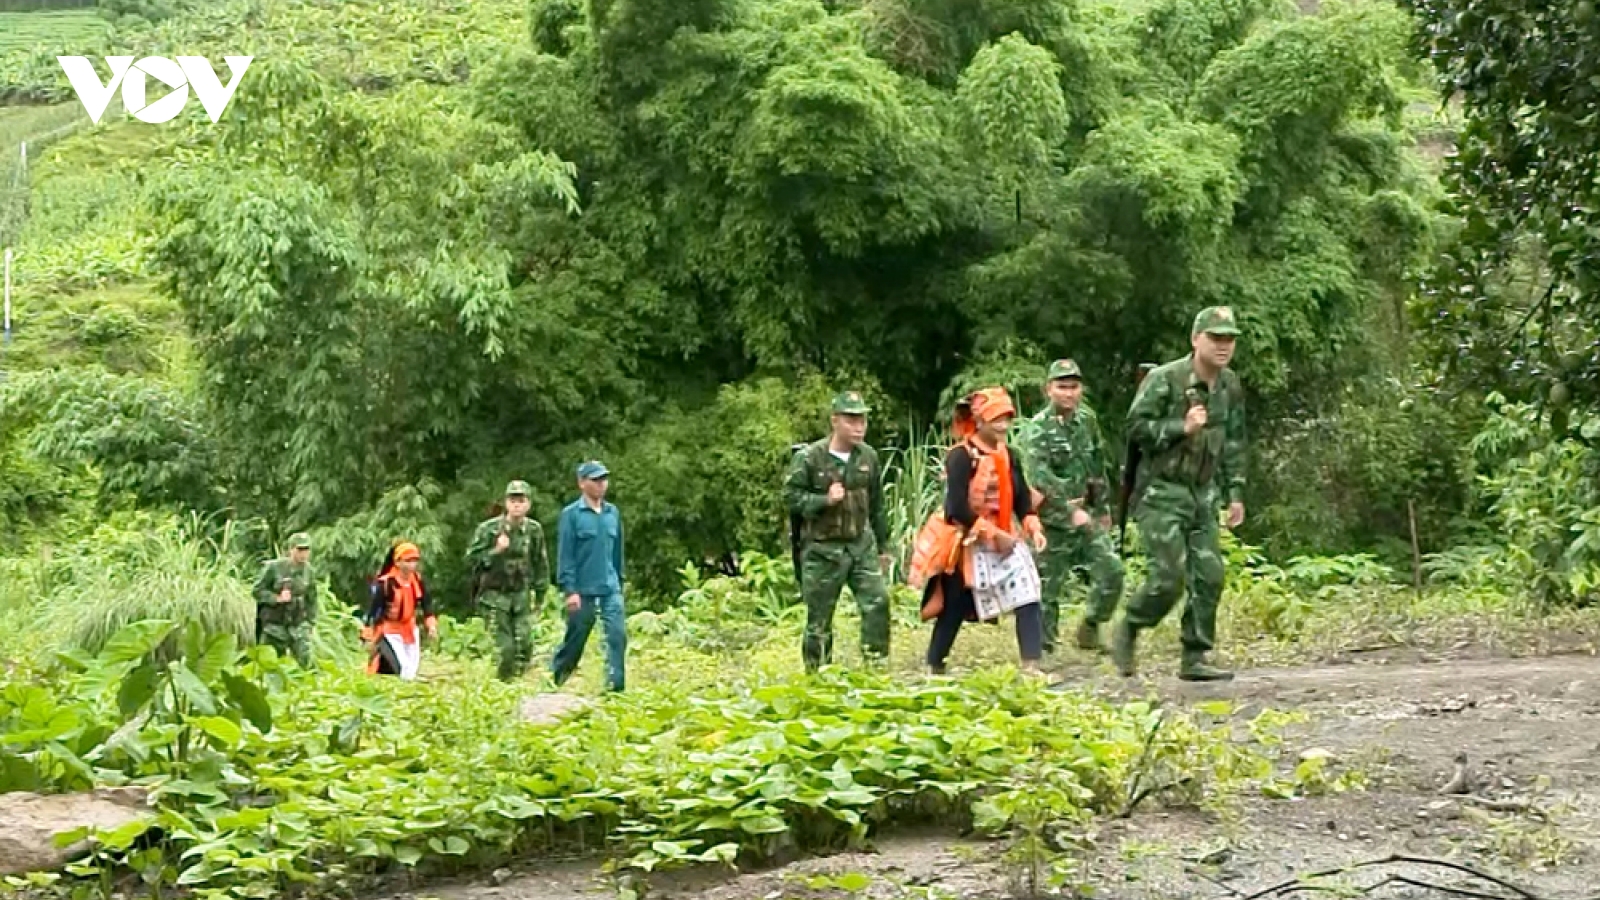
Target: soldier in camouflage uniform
507,559
286,601
835,487
1064,459
1188,420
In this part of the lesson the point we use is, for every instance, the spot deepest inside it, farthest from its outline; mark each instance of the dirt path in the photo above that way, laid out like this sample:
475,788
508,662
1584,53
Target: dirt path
1529,730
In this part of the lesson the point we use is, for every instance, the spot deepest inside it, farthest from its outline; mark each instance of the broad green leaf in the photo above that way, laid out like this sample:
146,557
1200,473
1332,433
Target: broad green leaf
71,836
220,652
137,688
408,855
73,762
225,731
244,819
136,641
40,723
192,689
857,796
123,836
853,882
199,873
18,773
767,824
671,849
246,695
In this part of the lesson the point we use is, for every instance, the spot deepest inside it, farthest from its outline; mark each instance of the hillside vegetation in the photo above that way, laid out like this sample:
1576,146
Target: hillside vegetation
436,245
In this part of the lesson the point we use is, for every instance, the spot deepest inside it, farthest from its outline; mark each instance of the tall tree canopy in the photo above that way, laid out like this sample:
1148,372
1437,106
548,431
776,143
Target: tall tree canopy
1516,299
649,209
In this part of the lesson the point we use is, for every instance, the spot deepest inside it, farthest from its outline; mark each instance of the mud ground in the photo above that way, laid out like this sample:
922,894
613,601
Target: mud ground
1524,806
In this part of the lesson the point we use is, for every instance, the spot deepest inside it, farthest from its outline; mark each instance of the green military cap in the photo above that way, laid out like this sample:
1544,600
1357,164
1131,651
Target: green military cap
518,488
1064,368
1215,320
850,403
299,541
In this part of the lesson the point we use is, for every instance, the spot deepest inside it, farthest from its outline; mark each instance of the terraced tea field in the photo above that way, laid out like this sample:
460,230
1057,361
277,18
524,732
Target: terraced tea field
22,123
56,30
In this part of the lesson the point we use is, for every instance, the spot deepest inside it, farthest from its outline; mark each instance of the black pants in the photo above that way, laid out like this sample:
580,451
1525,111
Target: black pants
387,664
958,605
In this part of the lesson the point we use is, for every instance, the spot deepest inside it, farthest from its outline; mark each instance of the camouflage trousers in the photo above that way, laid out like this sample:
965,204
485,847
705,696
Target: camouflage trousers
825,569
1073,550
1182,538
509,615
288,640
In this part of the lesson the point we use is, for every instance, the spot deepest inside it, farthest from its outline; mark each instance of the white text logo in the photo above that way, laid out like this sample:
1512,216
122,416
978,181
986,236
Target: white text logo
187,72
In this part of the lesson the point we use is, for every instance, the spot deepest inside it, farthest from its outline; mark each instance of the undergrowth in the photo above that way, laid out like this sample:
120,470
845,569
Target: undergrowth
348,777
268,779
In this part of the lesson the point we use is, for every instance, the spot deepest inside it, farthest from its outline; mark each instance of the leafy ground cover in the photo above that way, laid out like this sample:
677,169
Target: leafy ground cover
342,776
269,779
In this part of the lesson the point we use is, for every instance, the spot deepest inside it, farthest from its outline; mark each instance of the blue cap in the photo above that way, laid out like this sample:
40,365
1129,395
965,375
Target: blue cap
592,470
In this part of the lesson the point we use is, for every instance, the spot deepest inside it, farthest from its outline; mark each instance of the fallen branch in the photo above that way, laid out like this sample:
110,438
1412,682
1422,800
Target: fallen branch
1526,807
1299,883
1396,879
1195,871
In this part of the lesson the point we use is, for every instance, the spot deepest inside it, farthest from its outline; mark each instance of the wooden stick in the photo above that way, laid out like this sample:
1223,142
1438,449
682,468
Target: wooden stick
1416,551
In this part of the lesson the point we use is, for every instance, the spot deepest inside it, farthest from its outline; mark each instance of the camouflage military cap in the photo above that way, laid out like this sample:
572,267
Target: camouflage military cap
850,403
1064,368
518,488
1215,320
299,541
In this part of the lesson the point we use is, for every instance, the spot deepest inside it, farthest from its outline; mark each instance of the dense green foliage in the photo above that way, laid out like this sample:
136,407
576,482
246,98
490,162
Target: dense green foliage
1512,305
552,233
638,226
439,244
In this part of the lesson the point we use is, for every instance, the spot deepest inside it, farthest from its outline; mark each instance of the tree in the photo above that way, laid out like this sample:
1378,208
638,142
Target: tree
630,232
1514,301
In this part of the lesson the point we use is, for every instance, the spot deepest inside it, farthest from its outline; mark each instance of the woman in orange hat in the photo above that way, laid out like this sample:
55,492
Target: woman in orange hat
399,596
987,497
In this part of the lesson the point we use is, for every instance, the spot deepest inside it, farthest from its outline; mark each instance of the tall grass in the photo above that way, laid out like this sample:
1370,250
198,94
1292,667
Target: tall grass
170,569
913,488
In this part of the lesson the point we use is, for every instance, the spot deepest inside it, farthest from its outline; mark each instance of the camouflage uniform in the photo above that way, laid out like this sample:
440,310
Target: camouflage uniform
287,626
1064,458
1182,483
841,541
504,581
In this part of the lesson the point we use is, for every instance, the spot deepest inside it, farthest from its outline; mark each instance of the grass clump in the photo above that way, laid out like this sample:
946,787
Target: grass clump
120,575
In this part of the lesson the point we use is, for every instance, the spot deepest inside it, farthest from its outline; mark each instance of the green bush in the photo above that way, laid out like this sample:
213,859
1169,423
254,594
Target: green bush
1541,484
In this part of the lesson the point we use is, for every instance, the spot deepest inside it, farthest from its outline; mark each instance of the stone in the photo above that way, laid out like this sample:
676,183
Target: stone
29,823
548,709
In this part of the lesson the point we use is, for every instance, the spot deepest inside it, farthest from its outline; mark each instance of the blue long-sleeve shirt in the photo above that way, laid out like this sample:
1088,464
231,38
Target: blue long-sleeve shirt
589,550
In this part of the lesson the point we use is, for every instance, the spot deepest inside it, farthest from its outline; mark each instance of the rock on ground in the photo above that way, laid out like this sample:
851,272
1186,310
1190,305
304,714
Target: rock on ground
29,823
548,709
